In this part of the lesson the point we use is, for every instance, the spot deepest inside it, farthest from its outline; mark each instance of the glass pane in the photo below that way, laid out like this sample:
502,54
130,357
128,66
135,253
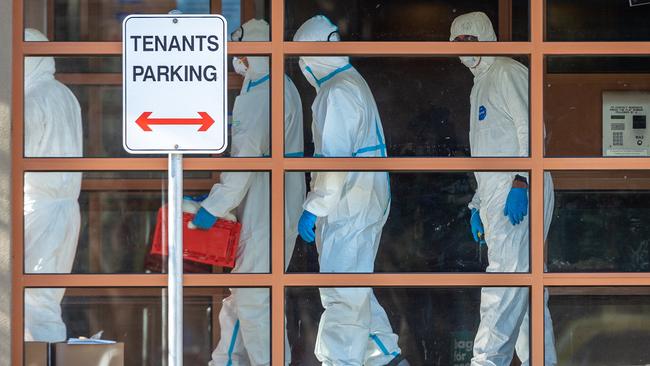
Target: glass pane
402,222
409,20
67,20
111,222
136,318
415,106
597,106
601,325
601,222
427,326
88,121
597,20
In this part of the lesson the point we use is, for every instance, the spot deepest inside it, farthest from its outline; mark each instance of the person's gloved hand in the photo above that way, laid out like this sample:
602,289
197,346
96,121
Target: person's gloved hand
203,219
477,227
306,226
516,205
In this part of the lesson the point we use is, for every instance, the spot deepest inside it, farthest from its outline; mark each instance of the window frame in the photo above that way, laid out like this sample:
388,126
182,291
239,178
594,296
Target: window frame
277,49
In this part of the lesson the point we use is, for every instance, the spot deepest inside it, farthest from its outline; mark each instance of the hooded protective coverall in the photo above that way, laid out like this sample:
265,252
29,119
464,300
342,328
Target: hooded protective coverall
244,317
52,129
351,207
499,127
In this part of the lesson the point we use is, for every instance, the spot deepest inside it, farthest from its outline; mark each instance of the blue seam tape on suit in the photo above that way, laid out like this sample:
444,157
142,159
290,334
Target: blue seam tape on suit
235,331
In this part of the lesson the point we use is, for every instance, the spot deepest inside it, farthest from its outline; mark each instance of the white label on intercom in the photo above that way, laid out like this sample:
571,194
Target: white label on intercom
625,123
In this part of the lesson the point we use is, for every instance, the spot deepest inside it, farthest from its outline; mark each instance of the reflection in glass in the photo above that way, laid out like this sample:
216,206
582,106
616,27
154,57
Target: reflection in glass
346,106
597,20
436,326
591,104
51,220
600,222
95,83
354,329
417,118
246,195
137,318
95,20
53,128
601,325
244,322
428,227
119,215
347,234
409,20
499,112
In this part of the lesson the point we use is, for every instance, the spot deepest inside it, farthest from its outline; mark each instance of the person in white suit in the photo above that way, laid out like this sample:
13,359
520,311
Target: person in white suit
51,208
499,127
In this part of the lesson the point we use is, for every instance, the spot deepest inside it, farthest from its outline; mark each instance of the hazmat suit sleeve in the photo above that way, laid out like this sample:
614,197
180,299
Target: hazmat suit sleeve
515,94
340,127
475,203
325,193
248,139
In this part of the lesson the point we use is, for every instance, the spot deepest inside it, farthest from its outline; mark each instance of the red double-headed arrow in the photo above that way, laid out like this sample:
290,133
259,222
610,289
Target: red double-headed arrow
145,122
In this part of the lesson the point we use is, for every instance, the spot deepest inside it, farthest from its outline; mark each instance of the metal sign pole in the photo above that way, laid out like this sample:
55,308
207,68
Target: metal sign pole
159,116
175,260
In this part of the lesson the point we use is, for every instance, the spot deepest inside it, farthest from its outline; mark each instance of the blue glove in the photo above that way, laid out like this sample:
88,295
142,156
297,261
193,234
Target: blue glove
306,226
477,227
516,205
203,219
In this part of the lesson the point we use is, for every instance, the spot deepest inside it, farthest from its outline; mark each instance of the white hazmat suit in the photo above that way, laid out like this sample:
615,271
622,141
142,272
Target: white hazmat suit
352,207
52,129
245,315
499,127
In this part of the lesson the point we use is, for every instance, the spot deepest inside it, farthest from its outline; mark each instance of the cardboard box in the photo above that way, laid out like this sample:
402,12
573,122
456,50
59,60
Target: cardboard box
36,354
63,354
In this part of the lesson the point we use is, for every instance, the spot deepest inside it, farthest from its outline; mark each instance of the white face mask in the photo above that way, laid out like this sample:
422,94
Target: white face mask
239,66
308,75
470,61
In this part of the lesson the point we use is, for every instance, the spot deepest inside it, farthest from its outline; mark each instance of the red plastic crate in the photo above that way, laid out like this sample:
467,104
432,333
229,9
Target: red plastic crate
217,246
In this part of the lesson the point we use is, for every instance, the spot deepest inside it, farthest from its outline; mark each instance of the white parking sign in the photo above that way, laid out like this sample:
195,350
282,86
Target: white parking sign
174,77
